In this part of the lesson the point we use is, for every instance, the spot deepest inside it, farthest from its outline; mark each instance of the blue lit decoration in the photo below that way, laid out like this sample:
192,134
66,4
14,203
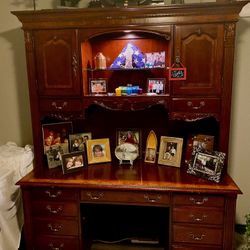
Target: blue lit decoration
130,57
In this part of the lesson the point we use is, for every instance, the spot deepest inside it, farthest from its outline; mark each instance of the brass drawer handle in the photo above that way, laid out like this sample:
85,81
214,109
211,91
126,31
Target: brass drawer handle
198,201
198,219
52,247
54,228
95,196
196,237
55,195
151,199
191,105
54,104
54,211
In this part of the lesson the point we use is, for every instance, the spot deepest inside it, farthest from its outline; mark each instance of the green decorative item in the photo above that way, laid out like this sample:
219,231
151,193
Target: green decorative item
247,233
70,3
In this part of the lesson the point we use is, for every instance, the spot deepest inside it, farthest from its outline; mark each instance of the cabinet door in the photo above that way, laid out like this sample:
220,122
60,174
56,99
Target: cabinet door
57,62
200,48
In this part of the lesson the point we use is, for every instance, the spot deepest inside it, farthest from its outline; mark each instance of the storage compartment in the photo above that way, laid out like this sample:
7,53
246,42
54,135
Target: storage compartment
125,225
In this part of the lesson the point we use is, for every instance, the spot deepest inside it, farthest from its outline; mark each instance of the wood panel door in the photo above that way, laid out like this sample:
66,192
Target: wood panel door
200,48
57,61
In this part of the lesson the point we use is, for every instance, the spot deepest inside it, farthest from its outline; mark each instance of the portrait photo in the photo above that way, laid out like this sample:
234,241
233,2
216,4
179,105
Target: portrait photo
129,135
156,85
56,134
98,150
54,153
73,162
97,86
170,151
77,141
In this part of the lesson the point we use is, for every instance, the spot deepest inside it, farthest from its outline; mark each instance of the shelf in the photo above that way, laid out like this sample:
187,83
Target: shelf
124,69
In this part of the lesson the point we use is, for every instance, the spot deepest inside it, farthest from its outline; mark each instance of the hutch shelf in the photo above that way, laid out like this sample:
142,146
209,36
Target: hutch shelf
109,202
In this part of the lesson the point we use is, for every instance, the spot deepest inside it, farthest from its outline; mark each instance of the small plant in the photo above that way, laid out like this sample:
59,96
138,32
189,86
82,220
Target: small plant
247,234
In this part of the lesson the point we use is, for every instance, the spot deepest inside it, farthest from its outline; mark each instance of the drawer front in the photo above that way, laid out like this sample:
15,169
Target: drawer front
194,247
126,197
60,105
56,243
198,200
54,193
198,215
197,235
201,105
43,208
56,227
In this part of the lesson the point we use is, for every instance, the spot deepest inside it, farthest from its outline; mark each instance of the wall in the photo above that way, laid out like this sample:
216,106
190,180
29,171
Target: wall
14,100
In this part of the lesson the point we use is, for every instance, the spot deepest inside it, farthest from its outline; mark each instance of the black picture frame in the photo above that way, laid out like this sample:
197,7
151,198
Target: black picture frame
73,162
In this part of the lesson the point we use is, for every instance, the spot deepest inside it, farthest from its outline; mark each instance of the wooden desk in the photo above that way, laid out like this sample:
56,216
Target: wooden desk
201,213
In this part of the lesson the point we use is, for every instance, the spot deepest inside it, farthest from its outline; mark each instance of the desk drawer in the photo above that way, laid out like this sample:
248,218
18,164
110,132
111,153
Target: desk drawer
198,200
56,227
44,208
198,215
60,105
194,247
56,243
54,193
197,235
126,197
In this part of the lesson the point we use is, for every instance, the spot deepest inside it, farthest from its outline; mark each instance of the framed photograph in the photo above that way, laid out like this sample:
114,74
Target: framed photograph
55,134
73,162
155,59
54,153
98,150
207,165
151,147
156,85
97,86
129,135
77,141
198,143
170,151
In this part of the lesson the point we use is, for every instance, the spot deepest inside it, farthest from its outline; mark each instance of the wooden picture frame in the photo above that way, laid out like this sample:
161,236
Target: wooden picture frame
98,86
55,134
170,151
129,135
151,148
207,165
98,150
77,141
156,85
73,162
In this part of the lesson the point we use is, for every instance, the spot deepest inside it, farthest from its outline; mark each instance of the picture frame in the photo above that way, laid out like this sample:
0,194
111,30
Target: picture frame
54,154
170,151
198,143
97,86
177,74
77,142
156,85
73,162
155,59
207,165
129,135
55,134
98,150
151,147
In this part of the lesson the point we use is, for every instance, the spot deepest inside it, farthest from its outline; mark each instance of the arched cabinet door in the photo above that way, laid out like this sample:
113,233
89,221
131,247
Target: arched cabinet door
200,49
57,62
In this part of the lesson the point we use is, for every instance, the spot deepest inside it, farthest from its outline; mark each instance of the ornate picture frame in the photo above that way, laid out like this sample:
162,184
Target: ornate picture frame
170,151
207,165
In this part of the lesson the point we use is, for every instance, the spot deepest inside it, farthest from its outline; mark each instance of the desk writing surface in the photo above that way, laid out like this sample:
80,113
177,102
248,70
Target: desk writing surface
141,176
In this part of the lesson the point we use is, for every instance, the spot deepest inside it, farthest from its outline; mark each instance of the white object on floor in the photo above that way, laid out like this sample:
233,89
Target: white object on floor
15,162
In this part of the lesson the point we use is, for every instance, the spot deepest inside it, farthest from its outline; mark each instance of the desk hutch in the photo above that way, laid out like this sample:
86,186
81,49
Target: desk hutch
108,201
